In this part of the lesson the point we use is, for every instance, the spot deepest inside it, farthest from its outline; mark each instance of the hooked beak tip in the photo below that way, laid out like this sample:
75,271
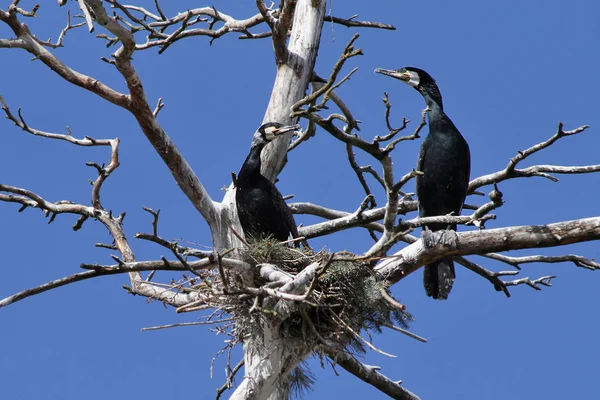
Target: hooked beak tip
285,129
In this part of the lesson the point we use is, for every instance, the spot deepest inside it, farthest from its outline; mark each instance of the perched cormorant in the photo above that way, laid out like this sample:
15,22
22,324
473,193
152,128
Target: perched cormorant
445,161
261,208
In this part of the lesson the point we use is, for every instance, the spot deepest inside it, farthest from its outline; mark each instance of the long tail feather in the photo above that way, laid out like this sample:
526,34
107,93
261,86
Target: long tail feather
438,278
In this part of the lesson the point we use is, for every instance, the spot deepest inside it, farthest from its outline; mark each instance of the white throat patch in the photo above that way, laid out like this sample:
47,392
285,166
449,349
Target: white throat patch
414,79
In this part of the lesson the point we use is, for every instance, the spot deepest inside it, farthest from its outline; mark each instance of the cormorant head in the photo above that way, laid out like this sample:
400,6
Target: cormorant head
270,131
417,78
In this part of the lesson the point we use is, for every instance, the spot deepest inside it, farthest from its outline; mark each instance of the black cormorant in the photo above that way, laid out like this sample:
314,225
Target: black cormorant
445,161
261,208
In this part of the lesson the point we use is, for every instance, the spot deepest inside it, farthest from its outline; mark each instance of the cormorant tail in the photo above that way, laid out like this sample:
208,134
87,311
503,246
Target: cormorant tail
438,278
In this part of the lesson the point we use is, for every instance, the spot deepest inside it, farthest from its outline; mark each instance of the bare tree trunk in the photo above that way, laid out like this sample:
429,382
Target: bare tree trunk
269,359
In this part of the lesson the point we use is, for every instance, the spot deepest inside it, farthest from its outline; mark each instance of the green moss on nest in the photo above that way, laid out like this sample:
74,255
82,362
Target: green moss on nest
346,298
270,250
347,290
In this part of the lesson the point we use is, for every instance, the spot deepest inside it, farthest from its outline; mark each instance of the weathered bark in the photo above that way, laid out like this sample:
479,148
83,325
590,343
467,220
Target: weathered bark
269,359
407,260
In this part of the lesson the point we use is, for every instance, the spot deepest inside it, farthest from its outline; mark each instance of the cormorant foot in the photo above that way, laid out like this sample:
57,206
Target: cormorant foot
448,238
429,238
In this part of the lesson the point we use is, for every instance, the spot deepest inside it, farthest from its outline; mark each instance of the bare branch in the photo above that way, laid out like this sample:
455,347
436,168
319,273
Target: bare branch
352,123
13,44
411,257
171,245
280,30
86,13
136,102
292,79
103,172
415,135
392,131
228,383
127,267
545,281
328,87
359,174
157,37
575,259
33,13
370,374
61,36
20,122
365,341
491,276
195,323
30,199
31,44
511,170
278,20
407,333
340,220
180,169
266,13
495,202
159,106
350,23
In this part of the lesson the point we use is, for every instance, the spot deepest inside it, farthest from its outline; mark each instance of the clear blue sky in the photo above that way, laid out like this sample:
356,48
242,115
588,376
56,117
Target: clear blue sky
508,71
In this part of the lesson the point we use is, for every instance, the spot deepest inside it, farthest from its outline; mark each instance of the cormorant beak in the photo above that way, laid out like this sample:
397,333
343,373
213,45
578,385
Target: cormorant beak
283,130
403,76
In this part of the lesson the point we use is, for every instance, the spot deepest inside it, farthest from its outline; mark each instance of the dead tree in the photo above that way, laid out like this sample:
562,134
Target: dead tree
256,301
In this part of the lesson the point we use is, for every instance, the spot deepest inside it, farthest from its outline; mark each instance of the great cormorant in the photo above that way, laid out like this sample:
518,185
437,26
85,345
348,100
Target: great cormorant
261,208
445,161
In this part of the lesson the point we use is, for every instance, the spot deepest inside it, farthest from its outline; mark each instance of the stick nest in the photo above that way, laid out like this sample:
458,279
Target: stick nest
344,300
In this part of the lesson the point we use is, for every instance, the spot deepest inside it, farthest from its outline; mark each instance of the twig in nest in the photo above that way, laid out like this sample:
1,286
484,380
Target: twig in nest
365,341
229,381
407,333
155,328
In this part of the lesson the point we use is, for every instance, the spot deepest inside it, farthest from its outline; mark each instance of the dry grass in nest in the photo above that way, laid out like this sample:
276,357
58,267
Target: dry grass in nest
346,298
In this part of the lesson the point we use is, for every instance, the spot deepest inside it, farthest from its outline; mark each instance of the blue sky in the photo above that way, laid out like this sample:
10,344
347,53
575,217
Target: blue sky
508,71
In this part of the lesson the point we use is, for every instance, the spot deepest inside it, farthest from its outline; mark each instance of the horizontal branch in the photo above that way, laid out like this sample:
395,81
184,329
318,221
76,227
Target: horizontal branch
544,281
511,170
184,24
407,260
105,270
352,23
29,198
20,122
575,259
341,220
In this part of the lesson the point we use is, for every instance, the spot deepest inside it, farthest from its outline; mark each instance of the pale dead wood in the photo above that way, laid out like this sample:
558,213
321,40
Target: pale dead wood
411,257
370,374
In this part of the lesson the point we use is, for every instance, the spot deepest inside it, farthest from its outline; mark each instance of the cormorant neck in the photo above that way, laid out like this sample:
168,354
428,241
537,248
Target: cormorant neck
432,103
251,166
435,110
432,95
433,99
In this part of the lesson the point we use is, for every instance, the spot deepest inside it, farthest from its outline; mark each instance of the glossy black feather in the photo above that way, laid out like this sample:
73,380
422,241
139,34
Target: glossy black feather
261,208
445,161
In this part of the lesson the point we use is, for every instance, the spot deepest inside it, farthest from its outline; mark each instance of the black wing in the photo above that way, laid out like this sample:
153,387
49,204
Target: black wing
284,212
